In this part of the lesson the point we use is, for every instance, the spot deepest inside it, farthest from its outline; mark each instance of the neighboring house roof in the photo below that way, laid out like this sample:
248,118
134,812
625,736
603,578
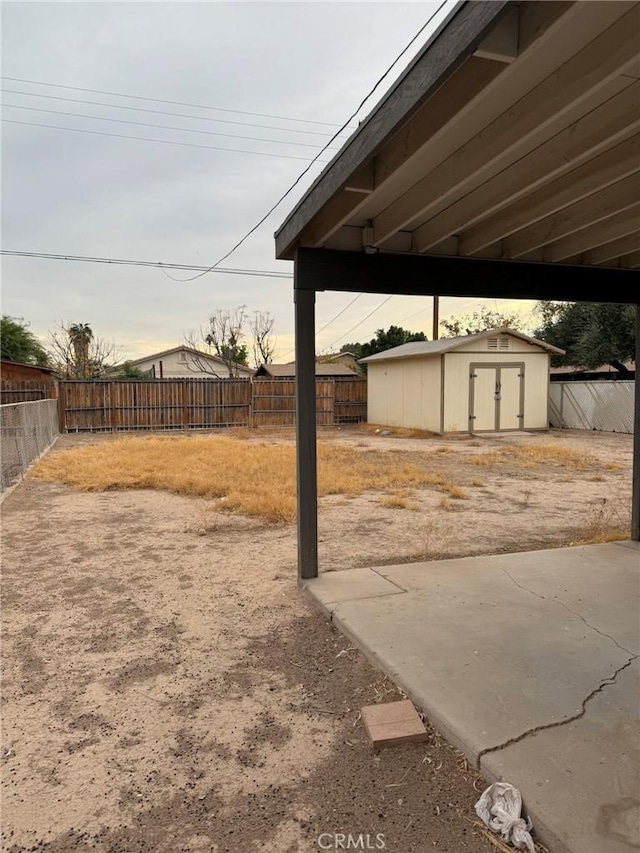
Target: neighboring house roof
334,356
194,352
284,371
9,363
416,349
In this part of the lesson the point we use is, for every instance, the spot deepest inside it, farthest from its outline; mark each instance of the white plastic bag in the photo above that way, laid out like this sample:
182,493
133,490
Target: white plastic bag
500,808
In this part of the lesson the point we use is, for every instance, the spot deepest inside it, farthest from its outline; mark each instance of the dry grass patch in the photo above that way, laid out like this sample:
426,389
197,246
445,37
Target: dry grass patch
255,479
394,502
398,500
533,455
457,493
445,504
604,523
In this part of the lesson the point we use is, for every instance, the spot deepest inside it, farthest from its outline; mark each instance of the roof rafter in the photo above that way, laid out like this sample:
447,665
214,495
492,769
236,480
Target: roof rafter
538,115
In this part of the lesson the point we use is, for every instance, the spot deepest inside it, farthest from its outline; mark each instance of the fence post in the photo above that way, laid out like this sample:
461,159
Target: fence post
250,413
62,411
185,405
113,412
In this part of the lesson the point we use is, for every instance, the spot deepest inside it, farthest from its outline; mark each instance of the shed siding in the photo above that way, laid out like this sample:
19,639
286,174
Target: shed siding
405,393
457,369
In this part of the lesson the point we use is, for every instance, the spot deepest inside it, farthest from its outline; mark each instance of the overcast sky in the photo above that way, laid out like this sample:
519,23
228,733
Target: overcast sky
83,193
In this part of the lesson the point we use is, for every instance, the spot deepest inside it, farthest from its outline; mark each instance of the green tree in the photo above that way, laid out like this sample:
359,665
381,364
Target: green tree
591,333
394,336
80,337
127,371
19,344
238,354
479,321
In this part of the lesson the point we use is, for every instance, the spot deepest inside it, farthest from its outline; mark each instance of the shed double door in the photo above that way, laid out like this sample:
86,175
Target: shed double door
496,397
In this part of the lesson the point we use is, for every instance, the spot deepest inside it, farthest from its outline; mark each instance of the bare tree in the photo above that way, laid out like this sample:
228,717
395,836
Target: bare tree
222,337
77,353
262,344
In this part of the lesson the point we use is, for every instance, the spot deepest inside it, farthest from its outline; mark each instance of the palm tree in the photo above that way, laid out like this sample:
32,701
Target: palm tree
80,337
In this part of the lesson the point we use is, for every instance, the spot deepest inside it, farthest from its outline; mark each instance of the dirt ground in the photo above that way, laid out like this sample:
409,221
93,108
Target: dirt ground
168,688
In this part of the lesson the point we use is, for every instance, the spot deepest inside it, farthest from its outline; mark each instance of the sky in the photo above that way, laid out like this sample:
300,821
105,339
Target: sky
291,73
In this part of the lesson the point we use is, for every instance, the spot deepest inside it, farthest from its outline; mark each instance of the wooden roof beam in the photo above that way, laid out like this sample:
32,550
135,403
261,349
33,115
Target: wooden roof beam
614,249
424,275
631,261
501,44
522,127
589,239
597,207
521,191
596,174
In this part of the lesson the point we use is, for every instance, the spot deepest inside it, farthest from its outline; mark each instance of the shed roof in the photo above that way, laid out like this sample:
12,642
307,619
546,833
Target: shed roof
513,136
417,349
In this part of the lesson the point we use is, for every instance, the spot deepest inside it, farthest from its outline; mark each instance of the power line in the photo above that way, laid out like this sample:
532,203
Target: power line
339,314
163,101
316,158
411,316
126,262
163,112
370,314
162,126
161,141
332,320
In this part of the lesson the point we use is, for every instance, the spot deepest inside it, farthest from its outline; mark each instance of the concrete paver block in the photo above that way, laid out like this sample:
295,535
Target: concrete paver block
393,723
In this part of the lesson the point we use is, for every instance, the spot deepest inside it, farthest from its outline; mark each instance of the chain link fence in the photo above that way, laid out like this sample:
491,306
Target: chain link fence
26,431
606,406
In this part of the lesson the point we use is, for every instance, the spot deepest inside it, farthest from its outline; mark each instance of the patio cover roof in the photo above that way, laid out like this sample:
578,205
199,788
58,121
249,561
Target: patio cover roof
514,135
504,162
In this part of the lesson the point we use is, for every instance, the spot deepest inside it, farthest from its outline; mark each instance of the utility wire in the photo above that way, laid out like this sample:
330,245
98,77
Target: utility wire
162,142
370,314
332,320
124,262
316,158
163,101
339,314
163,126
164,113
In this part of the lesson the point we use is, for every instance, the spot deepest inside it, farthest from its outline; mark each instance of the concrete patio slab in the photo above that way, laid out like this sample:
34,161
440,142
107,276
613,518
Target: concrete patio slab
338,587
509,656
587,777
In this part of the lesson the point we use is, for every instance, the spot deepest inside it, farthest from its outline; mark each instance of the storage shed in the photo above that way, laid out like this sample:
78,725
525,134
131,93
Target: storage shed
490,381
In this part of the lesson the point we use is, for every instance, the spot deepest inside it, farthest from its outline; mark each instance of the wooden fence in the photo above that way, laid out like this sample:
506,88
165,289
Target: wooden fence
26,390
189,404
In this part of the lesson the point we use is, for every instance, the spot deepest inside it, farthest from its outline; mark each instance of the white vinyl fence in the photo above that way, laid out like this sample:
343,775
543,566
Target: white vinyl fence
26,431
606,406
